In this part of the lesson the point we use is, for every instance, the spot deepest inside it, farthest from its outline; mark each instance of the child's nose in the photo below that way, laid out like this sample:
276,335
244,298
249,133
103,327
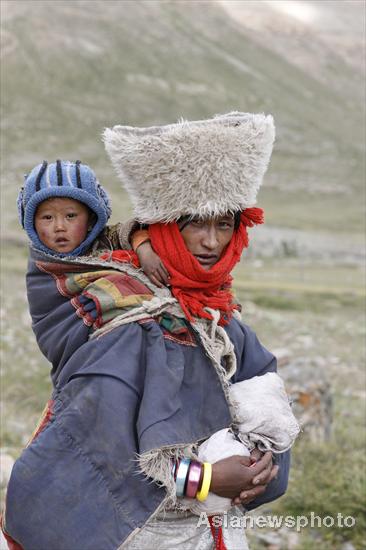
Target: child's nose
59,224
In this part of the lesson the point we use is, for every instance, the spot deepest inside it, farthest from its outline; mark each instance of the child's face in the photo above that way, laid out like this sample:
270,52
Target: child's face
62,223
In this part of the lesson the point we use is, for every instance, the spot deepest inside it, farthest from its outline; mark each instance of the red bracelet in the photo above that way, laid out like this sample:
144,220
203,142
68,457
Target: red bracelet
175,468
139,237
194,476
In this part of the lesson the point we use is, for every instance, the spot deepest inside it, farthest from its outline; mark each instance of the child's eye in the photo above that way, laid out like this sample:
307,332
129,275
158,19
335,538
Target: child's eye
71,215
47,217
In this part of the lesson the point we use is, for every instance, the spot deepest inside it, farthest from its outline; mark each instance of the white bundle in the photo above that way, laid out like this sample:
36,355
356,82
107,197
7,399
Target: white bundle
266,421
264,412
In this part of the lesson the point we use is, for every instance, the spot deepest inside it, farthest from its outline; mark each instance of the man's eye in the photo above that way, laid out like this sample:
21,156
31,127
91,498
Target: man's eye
226,224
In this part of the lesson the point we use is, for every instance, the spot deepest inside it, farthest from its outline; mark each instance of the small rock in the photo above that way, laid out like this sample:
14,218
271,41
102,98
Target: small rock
6,466
283,356
271,540
309,391
293,541
306,340
319,361
3,543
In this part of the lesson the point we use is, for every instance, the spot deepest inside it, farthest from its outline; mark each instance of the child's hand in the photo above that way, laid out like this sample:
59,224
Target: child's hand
152,265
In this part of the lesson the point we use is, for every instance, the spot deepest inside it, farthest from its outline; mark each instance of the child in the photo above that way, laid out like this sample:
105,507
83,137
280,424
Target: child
64,211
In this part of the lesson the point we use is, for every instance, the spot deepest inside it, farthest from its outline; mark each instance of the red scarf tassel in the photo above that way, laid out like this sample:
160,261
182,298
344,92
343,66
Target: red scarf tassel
217,535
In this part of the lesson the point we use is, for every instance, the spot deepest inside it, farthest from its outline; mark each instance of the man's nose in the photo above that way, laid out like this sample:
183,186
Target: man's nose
210,238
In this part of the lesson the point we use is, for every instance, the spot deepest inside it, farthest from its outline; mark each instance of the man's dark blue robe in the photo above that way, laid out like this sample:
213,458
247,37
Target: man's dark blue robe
139,387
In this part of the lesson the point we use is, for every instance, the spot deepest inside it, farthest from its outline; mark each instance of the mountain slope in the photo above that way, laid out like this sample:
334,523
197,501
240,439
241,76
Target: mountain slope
70,69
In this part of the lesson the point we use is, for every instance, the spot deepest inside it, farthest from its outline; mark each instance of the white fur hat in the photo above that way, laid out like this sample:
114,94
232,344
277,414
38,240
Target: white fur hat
204,168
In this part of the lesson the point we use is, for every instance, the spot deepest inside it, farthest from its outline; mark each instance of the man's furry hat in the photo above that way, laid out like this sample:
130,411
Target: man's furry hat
200,168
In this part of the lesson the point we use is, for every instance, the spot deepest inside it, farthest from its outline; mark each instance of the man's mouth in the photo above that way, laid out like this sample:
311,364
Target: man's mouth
206,259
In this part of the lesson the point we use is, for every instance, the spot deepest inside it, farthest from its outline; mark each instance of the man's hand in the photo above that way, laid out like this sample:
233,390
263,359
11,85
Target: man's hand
256,454
238,478
260,480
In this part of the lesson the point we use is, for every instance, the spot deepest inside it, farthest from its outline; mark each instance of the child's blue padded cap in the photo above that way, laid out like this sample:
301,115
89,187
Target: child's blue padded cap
72,180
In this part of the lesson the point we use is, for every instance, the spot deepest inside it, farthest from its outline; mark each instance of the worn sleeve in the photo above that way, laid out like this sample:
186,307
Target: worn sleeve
252,358
69,300
58,329
115,237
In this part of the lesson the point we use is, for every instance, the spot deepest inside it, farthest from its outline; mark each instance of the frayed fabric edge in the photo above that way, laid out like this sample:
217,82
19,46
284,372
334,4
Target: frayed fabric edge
157,465
209,332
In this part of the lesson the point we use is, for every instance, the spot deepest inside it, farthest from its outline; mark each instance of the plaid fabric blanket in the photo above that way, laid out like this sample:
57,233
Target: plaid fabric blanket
99,295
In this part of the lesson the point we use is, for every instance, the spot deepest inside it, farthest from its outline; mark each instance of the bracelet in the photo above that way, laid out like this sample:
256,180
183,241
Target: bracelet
139,237
182,476
175,468
206,482
194,476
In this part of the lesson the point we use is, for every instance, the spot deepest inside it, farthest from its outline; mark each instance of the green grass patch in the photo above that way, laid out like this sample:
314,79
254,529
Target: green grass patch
329,478
288,285
301,301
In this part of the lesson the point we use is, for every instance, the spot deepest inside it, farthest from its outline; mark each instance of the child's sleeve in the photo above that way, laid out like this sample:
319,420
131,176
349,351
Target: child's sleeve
115,237
122,235
125,232
138,237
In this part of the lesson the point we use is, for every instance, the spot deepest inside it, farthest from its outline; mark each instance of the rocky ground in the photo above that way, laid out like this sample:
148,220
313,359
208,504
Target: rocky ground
301,282
319,341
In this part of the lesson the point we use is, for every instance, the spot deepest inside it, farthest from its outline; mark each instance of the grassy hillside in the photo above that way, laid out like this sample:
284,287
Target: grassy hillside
307,310
72,68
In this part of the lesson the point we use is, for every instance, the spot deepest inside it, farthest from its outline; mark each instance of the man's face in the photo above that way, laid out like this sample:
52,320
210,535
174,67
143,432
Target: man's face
207,239
62,223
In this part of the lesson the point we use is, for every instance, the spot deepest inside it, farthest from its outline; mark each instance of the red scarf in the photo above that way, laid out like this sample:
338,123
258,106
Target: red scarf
194,287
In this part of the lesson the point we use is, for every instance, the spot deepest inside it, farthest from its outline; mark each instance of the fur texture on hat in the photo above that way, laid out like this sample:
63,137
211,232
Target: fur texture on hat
72,180
204,168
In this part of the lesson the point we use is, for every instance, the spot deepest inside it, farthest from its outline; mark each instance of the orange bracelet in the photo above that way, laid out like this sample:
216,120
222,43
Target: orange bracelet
140,236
